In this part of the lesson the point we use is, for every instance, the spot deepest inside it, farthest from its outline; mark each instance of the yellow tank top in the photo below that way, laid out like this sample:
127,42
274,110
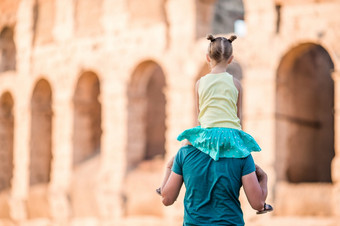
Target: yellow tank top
218,101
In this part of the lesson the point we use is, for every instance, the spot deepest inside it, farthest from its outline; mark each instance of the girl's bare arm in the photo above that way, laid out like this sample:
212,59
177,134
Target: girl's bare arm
239,99
197,101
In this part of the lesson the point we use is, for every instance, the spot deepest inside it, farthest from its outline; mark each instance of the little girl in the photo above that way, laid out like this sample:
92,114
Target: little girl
218,100
218,96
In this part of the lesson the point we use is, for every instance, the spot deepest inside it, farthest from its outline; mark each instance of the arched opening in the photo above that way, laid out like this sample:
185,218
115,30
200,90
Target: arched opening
40,149
6,151
304,115
87,118
146,114
41,130
226,13
6,140
219,17
146,138
86,145
43,21
7,50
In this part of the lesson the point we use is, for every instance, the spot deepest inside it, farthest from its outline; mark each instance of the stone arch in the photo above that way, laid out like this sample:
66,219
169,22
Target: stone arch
304,115
226,13
217,16
6,151
40,150
7,50
146,113
146,138
6,140
87,118
41,133
87,133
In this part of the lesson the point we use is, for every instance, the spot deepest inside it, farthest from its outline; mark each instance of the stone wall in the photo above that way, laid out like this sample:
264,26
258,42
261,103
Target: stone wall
94,93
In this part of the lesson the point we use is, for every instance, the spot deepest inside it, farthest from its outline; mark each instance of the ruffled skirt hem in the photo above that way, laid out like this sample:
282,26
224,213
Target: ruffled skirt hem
221,142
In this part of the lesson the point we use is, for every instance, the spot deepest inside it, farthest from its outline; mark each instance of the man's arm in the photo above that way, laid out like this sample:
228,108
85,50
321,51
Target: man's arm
171,185
255,187
171,189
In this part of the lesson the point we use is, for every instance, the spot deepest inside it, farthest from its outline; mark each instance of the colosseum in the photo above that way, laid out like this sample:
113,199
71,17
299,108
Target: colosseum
91,92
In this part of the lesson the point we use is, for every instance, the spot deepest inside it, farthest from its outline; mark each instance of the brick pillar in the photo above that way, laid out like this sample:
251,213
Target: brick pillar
336,160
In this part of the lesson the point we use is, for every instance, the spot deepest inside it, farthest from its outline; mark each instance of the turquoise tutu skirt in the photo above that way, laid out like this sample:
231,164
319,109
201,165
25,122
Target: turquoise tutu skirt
221,142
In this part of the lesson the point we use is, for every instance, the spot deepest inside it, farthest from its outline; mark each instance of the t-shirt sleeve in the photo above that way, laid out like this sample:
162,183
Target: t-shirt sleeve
178,163
249,165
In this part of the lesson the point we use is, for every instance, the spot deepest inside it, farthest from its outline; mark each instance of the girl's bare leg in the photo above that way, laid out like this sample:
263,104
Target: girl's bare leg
185,143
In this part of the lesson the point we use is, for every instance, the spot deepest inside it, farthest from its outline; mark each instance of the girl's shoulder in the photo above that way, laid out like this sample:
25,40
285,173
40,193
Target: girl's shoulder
225,76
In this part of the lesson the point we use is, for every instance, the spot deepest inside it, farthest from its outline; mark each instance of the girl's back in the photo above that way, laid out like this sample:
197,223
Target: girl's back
218,101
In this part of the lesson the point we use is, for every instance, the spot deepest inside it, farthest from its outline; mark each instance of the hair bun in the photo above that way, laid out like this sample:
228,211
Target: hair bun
211,37
232,38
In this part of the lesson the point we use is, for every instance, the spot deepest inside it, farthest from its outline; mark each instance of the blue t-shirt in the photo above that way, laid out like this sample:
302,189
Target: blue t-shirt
212,187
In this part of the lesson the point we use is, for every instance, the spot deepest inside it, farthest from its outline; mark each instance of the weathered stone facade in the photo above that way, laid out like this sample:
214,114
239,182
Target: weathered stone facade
94,93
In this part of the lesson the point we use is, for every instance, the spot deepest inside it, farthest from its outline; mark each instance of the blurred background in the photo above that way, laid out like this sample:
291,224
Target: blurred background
93,94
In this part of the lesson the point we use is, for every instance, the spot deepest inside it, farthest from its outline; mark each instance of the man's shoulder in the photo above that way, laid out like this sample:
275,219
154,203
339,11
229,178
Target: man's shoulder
187,149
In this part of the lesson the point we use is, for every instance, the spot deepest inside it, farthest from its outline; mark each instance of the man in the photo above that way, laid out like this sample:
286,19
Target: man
212,187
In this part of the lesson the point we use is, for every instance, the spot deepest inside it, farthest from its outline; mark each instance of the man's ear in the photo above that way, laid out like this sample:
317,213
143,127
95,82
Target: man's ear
230,59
